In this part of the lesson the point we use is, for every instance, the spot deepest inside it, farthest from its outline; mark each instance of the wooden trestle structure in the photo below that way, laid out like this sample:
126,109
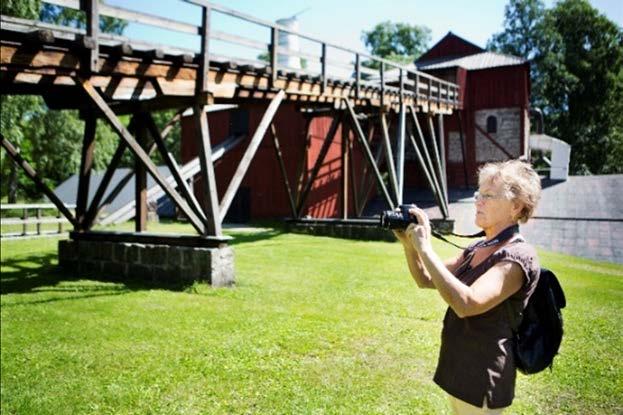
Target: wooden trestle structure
105,76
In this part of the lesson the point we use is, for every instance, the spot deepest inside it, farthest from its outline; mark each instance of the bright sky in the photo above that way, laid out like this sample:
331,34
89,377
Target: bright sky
342,21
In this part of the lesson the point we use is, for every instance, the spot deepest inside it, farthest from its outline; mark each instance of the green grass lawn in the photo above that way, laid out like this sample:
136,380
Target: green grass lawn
315,325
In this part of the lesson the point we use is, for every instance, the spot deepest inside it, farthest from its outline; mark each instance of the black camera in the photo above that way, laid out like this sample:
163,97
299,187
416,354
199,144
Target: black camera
394,219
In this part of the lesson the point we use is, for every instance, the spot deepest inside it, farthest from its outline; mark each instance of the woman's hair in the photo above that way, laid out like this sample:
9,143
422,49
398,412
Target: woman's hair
519,182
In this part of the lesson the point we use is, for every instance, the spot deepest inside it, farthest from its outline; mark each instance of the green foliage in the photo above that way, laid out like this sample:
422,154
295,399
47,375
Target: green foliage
75,18
398,42
577,77
49,140
314,325
26,9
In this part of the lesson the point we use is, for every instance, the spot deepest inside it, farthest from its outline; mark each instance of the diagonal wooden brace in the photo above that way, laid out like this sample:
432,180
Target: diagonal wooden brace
250,153
30,172
368,153
328,140
135,147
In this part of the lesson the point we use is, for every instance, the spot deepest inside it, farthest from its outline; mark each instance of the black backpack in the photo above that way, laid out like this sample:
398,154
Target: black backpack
539,334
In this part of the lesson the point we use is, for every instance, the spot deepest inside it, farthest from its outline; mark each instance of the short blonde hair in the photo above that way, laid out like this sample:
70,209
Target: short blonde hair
519,182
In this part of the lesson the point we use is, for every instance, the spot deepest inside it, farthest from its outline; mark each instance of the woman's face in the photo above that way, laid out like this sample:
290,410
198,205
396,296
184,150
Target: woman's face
492,207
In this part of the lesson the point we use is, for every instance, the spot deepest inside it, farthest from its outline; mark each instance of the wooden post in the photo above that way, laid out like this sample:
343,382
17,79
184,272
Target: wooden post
140,177
209,198
116,124
401,153
439,170
357,76
368,153
428,166
38,221
172,165
344,171
389,156
201,85
431,183
86,165
95,207
442,152
91,9
274,45
323,69
25,218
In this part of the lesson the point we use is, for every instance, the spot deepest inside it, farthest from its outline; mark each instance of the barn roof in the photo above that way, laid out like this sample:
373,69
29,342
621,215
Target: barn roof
476,61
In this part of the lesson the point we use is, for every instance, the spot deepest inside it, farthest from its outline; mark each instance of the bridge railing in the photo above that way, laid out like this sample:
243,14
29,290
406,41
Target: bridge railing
318,60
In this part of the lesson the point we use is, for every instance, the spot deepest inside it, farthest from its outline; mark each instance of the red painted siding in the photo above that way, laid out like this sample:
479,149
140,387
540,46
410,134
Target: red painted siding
450,45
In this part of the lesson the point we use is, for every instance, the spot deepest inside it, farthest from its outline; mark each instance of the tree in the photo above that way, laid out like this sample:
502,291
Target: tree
577,77
50,140
398,42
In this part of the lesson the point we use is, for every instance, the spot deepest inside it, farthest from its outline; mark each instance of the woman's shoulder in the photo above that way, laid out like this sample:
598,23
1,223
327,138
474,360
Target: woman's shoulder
522,253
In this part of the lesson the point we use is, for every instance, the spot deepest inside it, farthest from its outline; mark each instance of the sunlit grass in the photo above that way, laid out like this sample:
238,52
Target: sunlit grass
314,325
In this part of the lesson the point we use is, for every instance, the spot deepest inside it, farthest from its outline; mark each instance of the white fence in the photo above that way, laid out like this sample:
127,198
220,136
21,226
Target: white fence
27,220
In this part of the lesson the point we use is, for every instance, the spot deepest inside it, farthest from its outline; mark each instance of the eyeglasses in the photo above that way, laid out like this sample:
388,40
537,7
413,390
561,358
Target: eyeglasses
485,197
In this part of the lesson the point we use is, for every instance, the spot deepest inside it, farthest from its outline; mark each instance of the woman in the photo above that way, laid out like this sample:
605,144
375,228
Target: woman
486,288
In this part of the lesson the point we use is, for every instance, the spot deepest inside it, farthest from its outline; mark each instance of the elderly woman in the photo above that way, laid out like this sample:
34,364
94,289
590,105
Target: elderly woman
486,288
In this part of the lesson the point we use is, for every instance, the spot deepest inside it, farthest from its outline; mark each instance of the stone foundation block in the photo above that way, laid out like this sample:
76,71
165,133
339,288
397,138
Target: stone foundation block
159,264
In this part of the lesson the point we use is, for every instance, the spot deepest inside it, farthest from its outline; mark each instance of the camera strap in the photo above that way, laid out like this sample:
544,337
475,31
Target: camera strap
502,236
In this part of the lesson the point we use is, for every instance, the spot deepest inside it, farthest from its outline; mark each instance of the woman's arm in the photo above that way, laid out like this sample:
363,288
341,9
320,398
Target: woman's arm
494,286
419,273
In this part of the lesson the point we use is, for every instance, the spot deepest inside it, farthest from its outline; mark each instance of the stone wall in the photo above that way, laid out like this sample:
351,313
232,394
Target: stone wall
158,264
508,135
370,232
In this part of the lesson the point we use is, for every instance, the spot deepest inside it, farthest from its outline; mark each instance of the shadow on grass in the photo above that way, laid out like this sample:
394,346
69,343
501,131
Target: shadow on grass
241,238
37,273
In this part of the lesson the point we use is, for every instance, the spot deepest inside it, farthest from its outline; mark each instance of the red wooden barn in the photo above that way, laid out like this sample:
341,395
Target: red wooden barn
494,94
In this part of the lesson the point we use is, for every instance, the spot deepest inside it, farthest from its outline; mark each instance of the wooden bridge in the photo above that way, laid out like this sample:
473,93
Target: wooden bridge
105,75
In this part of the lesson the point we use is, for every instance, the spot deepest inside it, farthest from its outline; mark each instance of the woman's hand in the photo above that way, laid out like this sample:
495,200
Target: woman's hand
419,234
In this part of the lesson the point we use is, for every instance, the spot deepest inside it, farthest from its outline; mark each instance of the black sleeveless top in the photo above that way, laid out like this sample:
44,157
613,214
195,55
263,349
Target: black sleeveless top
476,359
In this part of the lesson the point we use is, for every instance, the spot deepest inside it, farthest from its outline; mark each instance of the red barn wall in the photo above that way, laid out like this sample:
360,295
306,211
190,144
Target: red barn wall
268,197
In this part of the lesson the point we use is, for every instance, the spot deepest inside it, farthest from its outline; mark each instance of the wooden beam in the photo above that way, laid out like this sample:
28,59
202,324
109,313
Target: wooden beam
172,165
209,196
86,165
282,167
302,166
353,181
427,165
30,172
140,177
250,153
95,206
138,151
345,169
328,140
401,148
389,157
368,153
442,152
440,173
429,179
91,9
367,190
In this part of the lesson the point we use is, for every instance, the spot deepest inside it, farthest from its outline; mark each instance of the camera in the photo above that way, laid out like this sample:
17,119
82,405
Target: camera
394,219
